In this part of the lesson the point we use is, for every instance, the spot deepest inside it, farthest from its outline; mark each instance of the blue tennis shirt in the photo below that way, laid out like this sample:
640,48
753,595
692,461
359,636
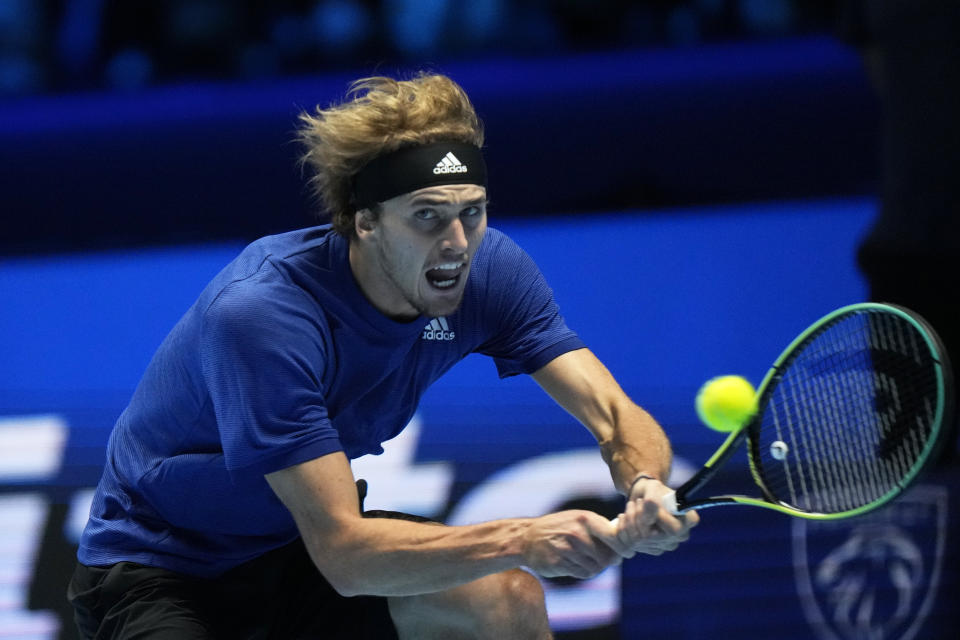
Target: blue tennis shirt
281,360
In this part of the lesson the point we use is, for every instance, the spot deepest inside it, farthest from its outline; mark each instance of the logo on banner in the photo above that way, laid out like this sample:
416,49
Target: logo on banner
876,576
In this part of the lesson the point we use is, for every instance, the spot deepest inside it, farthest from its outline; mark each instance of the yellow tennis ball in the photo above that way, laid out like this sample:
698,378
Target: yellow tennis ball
725,403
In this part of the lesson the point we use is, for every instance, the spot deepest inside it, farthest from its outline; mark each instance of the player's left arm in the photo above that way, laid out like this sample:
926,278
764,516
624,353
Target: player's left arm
631,442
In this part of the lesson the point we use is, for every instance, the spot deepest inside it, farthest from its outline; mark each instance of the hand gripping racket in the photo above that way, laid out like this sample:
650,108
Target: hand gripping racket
847,417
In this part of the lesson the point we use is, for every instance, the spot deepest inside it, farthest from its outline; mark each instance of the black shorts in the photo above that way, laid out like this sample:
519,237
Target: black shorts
279,595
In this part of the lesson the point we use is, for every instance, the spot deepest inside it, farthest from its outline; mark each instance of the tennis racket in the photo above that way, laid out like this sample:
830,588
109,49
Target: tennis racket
848,416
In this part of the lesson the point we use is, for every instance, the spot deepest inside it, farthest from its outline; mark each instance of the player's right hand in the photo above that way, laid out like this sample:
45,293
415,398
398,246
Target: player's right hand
645,526
573,543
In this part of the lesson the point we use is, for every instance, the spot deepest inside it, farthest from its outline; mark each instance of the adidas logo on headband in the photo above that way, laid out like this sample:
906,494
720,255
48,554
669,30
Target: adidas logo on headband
450,164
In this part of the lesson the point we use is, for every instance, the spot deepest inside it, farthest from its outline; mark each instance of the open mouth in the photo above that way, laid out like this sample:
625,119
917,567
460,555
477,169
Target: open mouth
446,275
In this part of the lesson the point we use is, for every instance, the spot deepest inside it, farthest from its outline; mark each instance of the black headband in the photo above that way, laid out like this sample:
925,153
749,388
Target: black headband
410,168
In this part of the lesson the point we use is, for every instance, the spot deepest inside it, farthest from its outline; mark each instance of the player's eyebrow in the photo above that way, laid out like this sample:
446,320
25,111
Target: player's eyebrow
440,200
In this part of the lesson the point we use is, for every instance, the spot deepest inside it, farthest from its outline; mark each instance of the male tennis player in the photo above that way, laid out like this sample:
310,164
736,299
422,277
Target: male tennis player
227,507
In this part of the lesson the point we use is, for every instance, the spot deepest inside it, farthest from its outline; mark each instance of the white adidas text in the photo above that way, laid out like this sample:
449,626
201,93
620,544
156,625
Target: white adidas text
450,164
438,329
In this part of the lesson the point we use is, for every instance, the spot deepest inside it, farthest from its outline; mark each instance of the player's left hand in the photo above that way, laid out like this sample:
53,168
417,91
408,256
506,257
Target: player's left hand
645,526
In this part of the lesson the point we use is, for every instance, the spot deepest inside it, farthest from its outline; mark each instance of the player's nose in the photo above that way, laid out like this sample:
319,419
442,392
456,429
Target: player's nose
455,237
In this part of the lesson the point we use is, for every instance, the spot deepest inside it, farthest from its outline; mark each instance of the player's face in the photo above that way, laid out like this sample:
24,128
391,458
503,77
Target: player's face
416,256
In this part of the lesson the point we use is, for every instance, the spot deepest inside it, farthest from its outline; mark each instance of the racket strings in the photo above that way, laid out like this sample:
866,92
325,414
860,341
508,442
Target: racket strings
851,416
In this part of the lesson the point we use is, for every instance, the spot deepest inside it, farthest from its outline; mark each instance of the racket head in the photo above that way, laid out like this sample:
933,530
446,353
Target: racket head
850,413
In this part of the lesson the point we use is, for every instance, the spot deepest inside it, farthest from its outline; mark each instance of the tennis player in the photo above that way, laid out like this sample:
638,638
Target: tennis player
227,507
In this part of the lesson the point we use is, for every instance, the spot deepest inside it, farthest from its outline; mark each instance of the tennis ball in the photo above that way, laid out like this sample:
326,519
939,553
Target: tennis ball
725,403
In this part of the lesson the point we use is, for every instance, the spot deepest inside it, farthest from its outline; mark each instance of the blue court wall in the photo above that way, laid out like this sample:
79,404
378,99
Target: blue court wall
665,298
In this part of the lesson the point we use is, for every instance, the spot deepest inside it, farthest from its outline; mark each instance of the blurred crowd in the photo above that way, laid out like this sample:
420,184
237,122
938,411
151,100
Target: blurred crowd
67,45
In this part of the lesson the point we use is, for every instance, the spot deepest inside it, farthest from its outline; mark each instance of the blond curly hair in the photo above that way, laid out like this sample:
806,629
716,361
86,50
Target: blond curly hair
380,115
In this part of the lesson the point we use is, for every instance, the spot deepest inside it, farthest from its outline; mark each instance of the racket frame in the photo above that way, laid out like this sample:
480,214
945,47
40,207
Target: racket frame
943,412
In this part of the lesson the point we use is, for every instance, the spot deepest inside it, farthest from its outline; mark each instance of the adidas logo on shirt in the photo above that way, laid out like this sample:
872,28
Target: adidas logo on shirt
450,164
438,329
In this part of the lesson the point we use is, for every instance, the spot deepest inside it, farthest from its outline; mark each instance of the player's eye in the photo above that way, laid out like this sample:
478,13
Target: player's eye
425,214
471,212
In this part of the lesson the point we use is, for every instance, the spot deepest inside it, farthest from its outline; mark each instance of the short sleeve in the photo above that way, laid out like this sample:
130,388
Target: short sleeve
262,353
528,330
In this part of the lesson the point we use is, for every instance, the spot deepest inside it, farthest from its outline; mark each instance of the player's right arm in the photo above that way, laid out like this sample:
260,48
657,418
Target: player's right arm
387,557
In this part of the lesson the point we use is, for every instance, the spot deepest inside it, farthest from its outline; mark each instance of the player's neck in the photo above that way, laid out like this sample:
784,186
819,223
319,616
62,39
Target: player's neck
379,291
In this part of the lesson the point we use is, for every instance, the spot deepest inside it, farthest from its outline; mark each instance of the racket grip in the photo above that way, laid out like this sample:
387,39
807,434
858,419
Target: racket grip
669,501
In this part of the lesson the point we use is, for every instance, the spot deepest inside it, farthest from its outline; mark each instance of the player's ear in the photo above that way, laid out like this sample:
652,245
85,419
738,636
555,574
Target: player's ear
364,222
